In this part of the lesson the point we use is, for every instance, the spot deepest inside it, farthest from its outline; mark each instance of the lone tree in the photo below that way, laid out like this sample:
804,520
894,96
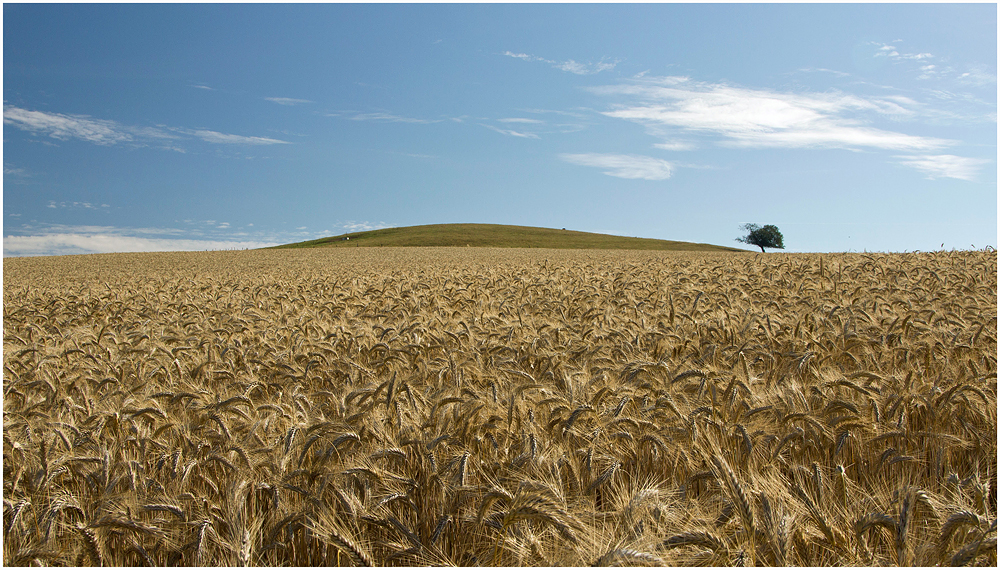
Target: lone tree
767,236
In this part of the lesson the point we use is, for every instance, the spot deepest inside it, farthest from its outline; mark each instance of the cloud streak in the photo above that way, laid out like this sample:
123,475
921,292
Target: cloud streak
886,50
387,118
66,127
757,118
223,138
287,101
676,145
624,165
105,132
974,75
945,165
353,226
978,76
570,66
520,120
76,205
511,133
12,171
73,243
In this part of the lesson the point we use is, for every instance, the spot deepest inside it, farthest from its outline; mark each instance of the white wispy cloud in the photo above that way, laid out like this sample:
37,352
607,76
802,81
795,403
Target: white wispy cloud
524,56
570,66
676,145
224,138
39,238
9,170
915,56
974,75
624,165
978,76
824,70
387,118
745,117
510,133
205,87
554,112
288,101
106,132
570,127
945,165
65,127
353,226
111,240
885,50
520,120
77,205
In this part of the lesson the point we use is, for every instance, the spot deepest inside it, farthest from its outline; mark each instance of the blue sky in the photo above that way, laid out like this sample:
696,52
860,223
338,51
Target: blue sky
175,127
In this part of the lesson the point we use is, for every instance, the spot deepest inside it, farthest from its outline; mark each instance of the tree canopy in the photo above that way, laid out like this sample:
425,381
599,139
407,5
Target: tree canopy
767,236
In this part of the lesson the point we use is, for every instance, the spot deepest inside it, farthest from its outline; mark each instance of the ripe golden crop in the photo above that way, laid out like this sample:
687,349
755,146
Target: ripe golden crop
500,407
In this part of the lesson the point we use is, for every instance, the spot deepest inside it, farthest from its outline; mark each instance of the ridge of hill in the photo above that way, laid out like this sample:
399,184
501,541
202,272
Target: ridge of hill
497,235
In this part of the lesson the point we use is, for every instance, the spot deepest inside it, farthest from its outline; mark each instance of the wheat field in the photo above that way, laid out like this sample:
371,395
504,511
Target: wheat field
486,407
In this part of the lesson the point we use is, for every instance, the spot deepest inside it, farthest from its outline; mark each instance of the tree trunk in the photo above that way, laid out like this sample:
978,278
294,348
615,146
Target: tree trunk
761,249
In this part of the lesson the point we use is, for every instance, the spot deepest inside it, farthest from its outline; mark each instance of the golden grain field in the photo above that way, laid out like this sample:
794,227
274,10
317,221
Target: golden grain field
500,407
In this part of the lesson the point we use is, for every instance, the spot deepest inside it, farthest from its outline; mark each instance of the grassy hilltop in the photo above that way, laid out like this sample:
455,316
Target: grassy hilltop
496,235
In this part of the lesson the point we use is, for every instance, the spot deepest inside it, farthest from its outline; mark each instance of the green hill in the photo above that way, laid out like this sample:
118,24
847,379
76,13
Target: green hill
495,235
